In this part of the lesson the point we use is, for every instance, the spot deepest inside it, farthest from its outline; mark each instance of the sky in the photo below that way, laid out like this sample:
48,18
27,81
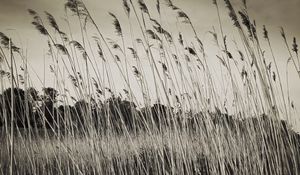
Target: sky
16,22
13,13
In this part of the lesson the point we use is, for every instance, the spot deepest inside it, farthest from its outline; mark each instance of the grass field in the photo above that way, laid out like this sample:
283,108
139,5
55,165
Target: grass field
149,100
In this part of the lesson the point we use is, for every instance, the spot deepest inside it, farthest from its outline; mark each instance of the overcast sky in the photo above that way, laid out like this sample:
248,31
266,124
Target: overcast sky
272,13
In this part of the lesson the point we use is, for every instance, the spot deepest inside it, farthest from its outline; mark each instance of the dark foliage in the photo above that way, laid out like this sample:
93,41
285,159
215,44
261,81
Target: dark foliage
21,115
118,115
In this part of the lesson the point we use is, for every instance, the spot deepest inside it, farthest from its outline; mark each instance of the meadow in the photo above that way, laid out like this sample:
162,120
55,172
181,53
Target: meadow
148,100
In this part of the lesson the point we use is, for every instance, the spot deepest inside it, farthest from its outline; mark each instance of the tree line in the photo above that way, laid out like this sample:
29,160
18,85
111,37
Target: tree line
35,110
31,109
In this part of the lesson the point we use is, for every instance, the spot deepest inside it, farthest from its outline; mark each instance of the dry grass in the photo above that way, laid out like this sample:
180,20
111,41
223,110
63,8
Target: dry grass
231,126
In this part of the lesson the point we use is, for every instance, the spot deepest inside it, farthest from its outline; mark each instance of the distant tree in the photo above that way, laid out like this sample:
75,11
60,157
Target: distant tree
48,106
122,113
33,94
50,94
81,109
19,110
160,114
66,115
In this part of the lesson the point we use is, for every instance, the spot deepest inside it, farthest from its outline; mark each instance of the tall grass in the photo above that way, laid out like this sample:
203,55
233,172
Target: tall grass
151,103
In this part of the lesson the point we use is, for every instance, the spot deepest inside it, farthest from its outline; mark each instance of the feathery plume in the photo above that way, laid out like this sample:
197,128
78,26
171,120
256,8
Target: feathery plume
143,6
40,28
295,46
180,39
117,58
100,52
139,40
126,91
183,15
170,4
126,7
95,83
79,76
191,51
77,45
74,80
71,5
98,91
52,21
228,54
109,90
167,35
116,24
241,55
133,52
153,35
265,32
282,33
253,29
74,5
61,48
155,22
214,34
200,44
5,42
116,46
2,73
244,73
21,79
32,12
136,72
51,69
222,61
164,66
246,22
35,15
85,55
64,36
232,14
